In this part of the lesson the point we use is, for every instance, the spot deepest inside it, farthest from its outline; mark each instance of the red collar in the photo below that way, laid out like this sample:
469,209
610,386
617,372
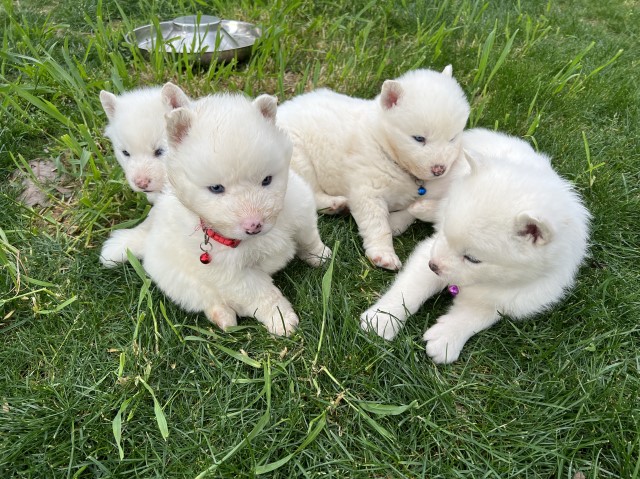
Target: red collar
232,243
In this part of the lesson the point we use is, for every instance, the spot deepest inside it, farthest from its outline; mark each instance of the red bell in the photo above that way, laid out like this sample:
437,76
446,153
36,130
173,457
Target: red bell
205,258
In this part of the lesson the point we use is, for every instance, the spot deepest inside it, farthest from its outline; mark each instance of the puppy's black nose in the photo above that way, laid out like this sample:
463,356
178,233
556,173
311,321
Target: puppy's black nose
434,267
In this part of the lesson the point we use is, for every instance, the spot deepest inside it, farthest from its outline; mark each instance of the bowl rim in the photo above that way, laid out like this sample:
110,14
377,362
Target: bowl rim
132,37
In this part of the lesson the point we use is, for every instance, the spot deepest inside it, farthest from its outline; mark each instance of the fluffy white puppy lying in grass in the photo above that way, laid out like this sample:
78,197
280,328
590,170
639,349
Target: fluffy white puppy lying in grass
136,129
376,157
509,240
234,214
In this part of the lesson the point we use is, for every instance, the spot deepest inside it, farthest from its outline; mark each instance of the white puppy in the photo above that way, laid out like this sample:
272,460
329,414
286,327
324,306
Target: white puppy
137,131
509,241
234,214
378,156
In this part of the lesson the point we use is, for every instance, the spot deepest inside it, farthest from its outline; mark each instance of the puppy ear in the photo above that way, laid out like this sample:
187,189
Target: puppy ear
173,96
109,101
448,71
179,123
268,106
391,93
532,229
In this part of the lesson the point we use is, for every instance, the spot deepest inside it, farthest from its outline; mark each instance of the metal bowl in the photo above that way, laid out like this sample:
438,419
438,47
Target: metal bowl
204,40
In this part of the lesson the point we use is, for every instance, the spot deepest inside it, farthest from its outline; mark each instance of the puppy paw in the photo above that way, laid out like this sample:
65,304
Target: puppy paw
283,323
380,322
444,343
113,252
318,257
222,317
384,259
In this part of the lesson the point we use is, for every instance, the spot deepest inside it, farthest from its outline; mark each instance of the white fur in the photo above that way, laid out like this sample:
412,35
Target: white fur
361,154
137,131
479,143
114,250
230,141
526,225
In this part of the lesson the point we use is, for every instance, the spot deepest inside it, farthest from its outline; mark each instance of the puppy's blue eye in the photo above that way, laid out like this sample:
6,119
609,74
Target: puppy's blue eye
471,259
267,181
216,189
125,153
158,152
420,139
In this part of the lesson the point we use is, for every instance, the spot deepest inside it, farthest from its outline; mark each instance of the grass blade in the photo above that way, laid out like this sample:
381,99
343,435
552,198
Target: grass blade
326,292
237,355
386,409
157,409
257,429
321,422
116,426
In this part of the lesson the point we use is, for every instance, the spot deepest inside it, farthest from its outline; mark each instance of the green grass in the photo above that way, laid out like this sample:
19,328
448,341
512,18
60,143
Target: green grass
102,376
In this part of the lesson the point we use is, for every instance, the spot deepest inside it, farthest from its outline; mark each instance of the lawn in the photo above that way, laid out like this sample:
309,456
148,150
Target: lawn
102,376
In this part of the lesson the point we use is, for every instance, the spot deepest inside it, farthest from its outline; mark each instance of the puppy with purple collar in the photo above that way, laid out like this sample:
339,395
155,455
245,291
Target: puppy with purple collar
509,239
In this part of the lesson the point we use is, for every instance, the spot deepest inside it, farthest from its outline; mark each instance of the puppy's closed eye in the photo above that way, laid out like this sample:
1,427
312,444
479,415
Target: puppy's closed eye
472,259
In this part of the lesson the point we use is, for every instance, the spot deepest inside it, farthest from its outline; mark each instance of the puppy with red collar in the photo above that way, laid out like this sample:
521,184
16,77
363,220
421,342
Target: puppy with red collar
233,214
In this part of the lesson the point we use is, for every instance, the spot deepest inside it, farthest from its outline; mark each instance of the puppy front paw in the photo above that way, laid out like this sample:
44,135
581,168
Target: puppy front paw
382,323
113,252
444,342
283,323
384,259
318,257
222,317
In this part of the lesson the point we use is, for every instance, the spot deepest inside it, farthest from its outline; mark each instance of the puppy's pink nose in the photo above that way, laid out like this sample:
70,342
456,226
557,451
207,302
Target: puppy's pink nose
142,183
438,170
252,226
434,267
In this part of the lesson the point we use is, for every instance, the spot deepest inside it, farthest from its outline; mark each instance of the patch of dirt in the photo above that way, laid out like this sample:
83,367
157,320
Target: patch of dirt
40,182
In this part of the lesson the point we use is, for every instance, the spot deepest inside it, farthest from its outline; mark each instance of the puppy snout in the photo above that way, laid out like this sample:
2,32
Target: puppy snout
252,226
438,170
434,267
142,183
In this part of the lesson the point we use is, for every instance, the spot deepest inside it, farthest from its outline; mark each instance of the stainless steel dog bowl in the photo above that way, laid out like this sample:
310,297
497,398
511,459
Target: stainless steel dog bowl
204,40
